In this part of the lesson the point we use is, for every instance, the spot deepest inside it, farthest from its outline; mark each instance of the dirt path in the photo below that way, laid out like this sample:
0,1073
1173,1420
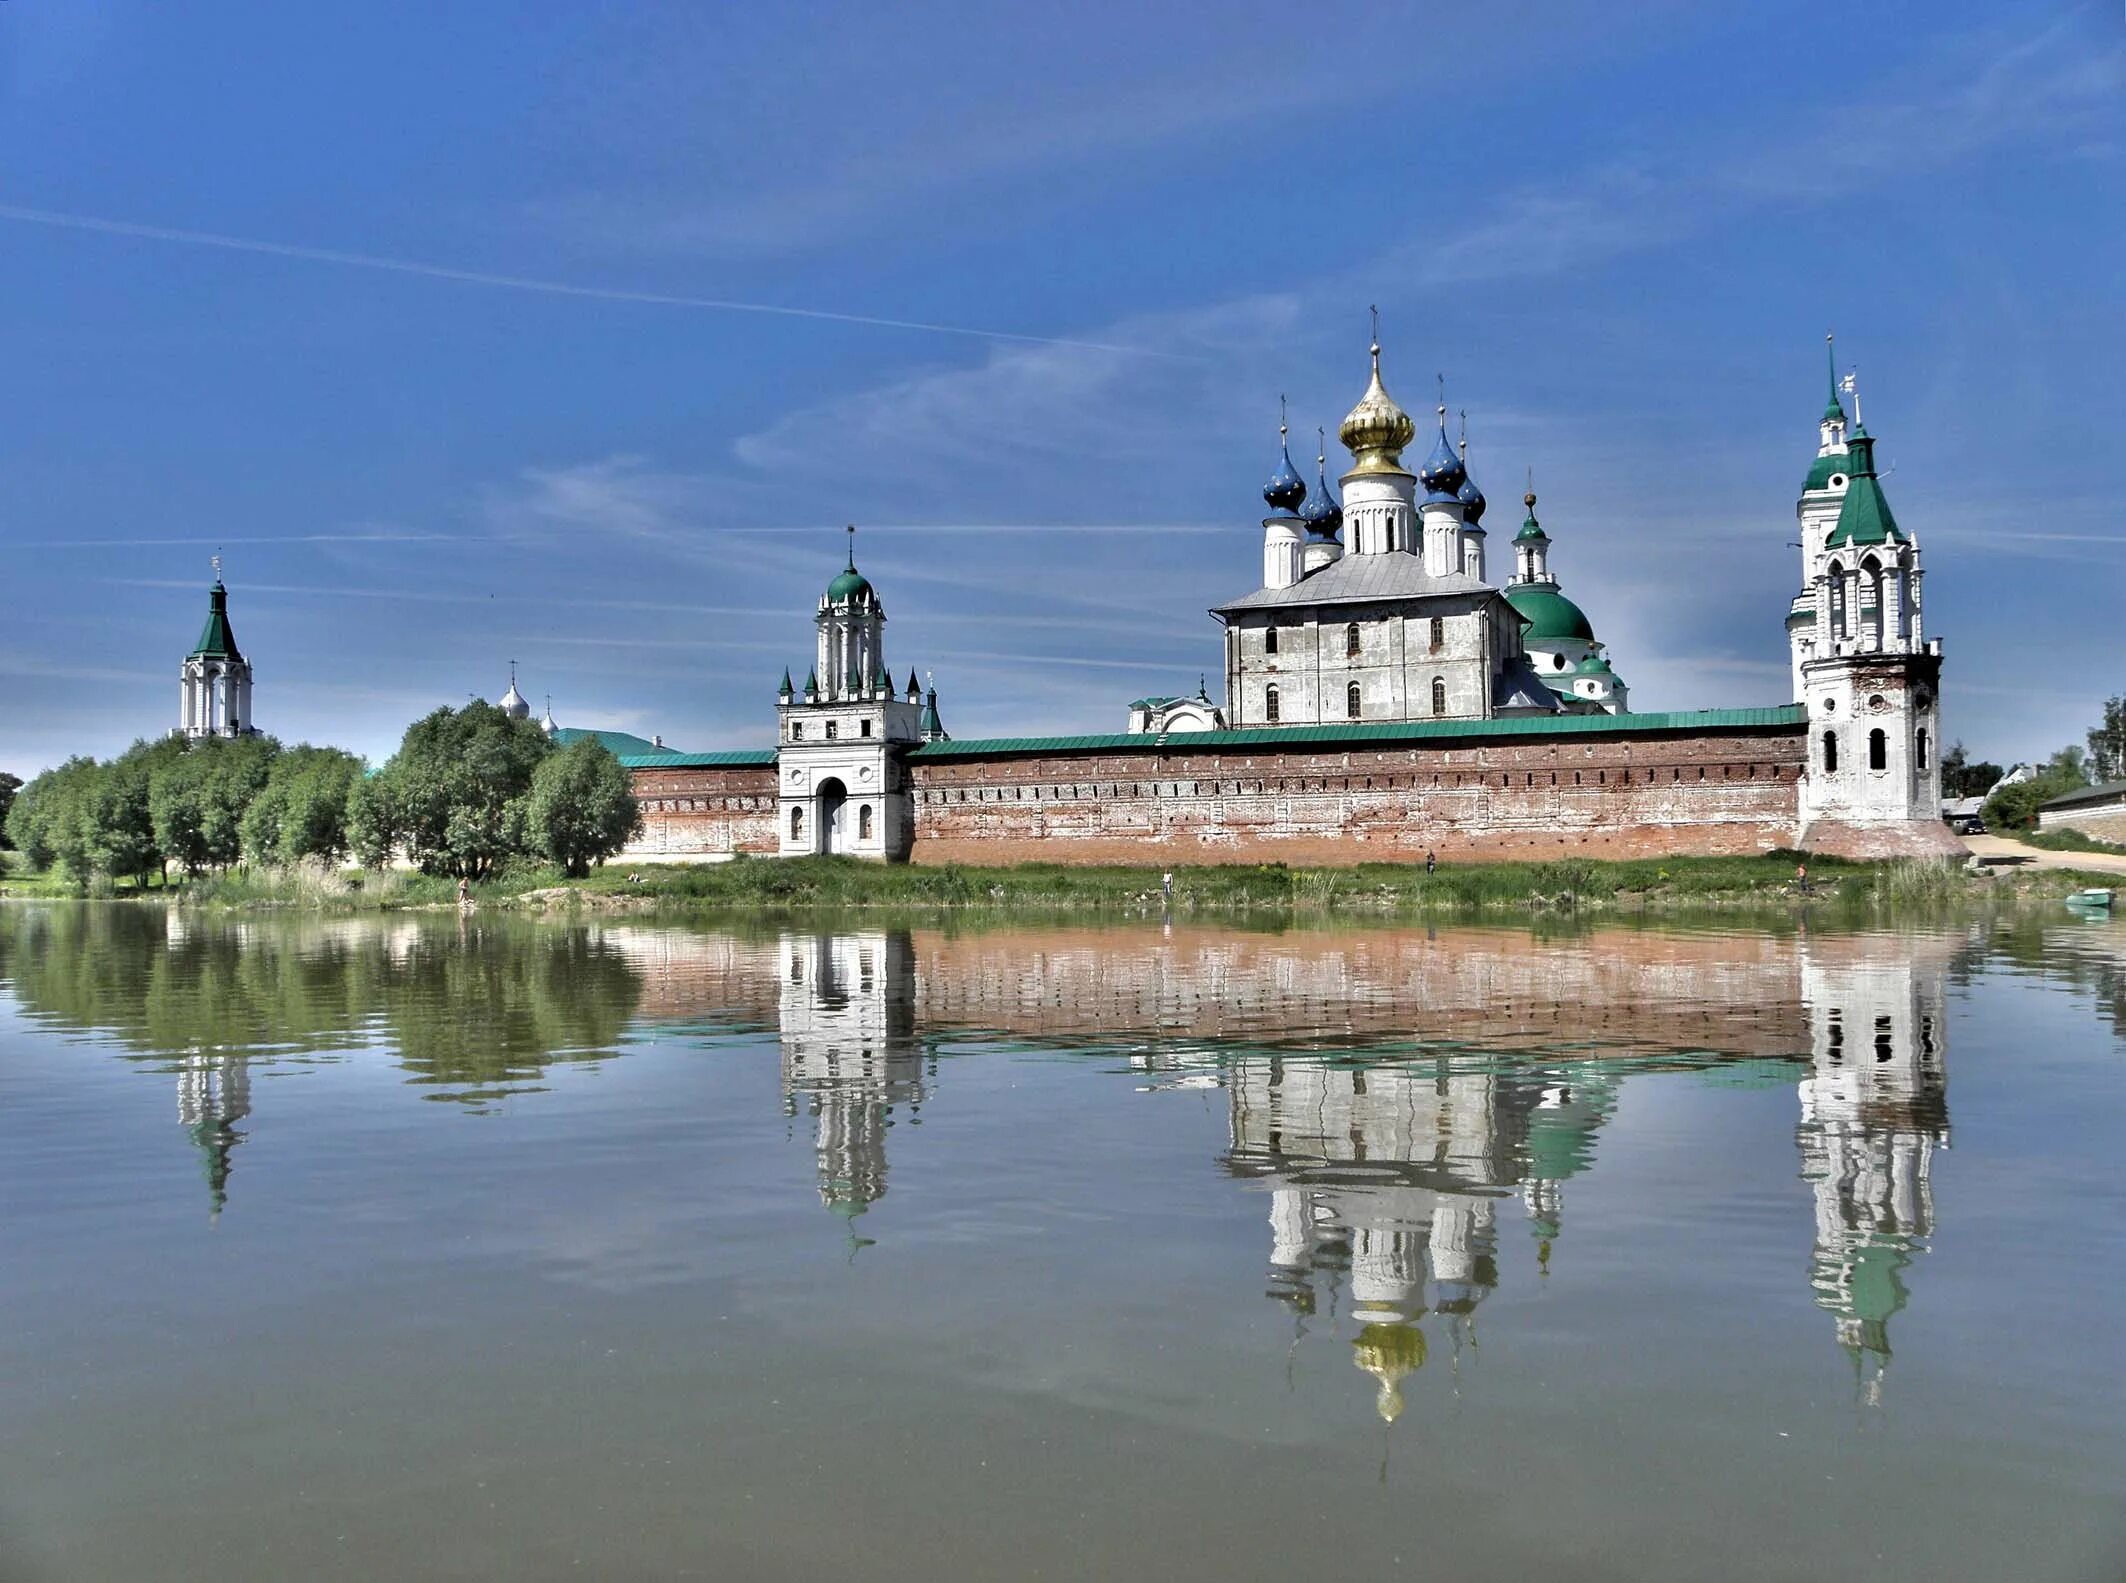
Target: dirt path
1998,849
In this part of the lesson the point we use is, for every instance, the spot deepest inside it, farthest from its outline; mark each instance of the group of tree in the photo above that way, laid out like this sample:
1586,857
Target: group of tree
469,791
198,805
2014,807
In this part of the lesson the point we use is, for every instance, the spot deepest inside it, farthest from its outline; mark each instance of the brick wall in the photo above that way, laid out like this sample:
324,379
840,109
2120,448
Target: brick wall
704,812
1701,792
2100,821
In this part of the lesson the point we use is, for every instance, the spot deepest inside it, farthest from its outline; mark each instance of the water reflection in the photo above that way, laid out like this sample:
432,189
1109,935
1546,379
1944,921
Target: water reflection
1422,1085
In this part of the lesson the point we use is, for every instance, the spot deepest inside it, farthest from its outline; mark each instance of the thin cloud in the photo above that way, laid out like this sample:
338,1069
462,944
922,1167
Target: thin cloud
58,220
262,538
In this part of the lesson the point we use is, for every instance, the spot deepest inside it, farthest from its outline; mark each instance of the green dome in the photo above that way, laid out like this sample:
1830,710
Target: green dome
848,585
1593,665
1548,613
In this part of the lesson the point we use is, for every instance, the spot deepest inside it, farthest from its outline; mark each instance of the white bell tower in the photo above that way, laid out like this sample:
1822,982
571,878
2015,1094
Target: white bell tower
214,683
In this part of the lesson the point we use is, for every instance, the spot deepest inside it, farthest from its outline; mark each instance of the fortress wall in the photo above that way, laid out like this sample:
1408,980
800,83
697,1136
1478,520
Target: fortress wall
698,813
1730,791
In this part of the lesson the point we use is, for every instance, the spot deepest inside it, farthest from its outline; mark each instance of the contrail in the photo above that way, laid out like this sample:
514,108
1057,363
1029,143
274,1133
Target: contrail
551,288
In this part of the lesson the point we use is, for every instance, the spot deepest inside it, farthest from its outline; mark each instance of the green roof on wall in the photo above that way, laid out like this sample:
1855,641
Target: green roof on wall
739,758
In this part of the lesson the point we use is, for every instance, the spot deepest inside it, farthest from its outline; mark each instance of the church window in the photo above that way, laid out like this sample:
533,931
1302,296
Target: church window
1878,750
1439,695
1557,662
1351,640
1830,753
1439,636
1920,744
1269,640
797,731
863,728
1351,701
1269,704
797,823
833,730
863,823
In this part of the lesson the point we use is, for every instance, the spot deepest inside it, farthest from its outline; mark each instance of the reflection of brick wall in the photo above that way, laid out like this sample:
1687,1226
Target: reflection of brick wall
705,811
1732,791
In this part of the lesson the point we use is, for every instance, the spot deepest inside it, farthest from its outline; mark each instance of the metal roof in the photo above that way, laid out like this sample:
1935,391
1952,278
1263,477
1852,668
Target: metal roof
737,758
1385,733
2103,792
1362,579
620,744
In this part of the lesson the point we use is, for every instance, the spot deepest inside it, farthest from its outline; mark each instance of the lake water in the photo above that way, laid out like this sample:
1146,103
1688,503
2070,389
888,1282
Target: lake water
429,1248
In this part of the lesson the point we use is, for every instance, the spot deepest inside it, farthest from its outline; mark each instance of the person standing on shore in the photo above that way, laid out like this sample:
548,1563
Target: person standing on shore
464,892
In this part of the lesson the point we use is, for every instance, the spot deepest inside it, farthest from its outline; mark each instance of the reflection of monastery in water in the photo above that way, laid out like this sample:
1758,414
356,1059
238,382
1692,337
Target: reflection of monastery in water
1874,1108
213,1095
1392,1180
849,1054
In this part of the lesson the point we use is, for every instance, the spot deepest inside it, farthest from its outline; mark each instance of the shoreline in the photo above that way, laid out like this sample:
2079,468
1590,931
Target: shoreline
1613,887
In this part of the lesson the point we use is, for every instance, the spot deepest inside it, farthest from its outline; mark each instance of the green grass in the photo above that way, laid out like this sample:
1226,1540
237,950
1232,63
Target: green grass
2065,841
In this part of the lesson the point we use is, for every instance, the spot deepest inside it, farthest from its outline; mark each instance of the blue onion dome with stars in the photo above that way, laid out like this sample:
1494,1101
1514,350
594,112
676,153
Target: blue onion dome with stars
1442,473
1286,489
1322,515
1471,497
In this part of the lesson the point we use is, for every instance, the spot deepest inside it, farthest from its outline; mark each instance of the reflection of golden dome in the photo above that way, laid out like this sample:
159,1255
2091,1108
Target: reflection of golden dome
1377,429
1388,1353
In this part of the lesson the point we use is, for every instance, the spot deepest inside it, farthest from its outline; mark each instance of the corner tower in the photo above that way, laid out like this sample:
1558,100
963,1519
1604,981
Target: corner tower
1867,673
842,786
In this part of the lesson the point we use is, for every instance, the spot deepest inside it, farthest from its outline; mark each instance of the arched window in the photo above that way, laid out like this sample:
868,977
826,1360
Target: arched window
1439,634
1836,574
863,823
1878,750
1269,640
797,824
1351,640
1439,695
1351,701
1830,753
1919,743
1269,704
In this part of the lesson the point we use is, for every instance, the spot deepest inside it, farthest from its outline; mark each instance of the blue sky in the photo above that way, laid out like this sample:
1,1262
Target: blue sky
572,334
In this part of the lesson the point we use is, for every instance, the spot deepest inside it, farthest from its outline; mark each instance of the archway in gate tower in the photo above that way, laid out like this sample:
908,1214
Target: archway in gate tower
835,835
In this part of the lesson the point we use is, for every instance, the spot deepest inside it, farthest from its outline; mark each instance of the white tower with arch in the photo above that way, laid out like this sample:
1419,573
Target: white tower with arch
843,788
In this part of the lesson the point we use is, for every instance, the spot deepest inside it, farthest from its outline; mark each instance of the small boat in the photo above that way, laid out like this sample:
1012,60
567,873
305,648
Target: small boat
2096,899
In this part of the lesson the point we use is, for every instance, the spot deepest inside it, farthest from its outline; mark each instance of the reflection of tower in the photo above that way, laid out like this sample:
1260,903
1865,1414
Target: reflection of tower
213,1095
1873,1110
1561,1136
1384,1172
848,1047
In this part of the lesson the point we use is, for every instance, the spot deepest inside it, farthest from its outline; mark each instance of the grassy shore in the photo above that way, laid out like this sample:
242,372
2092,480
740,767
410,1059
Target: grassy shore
844,885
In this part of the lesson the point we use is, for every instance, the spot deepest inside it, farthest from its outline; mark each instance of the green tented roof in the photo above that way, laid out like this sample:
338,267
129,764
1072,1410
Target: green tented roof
216,641
1864,517
618,743
1823,467
740,758
1549,614
1385,733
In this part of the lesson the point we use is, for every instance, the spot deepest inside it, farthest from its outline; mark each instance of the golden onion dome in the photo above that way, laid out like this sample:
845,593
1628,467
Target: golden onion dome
1390,1353
1377,429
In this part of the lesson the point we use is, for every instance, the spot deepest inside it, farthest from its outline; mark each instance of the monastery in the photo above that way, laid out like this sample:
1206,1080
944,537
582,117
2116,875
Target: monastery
1383,698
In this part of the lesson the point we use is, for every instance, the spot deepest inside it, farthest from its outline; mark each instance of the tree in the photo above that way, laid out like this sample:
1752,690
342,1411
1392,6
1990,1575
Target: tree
372,828
1962,776
9,785
117,825
45,824
198,798
580,809
445,797
2107,743
2015,807
304,808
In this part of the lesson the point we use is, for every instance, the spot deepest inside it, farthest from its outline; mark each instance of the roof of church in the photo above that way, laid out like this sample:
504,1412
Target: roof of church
1362,579
1549,614
621,744
1519,686
1376,733
1823,468
1865,516
216,640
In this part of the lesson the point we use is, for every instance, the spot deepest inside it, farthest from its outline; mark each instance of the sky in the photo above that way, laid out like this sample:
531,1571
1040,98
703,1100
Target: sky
573,335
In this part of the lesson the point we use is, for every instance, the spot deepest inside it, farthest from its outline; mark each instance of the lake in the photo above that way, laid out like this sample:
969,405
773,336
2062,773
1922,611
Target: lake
428,1247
